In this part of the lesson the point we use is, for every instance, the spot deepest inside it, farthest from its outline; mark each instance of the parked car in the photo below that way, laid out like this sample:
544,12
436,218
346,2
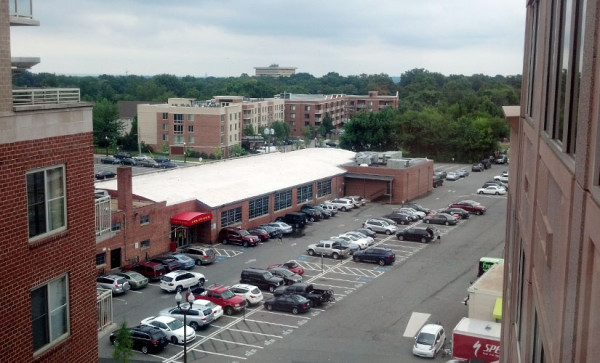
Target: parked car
142,157
362,242
470,206
216,309
105,174
462,173
325,212
459,212
136,280
170,263
412,213
297,220
185,261
152,270
260,233
282,226
291,265
146,339
148,163
288,276
179,280
162,159
418,234
344,243
492,189
501,159
495,182
400,218
261,278
370,240
380,255
441,173
237,236
196,316
437,181
312,213
441,218
357,200
122,155
330,207
172,327
502,178
389,221
288,302
167,165
201,255
110,160
117,284
429,341
222,296
272,231
367,232
341,204
416,206
477,167
251,293
452,176
380,226
129,161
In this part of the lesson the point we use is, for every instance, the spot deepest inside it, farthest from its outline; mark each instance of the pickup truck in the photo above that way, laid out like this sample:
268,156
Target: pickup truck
317,296
222,296
328,248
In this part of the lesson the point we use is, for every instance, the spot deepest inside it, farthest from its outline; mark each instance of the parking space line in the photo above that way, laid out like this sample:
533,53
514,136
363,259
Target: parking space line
344,287
267,322
219,354
255,333
237,343
278,313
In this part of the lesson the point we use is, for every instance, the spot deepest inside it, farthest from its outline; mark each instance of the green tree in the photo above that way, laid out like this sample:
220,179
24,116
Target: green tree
308,132
236,150
106,122
123,345
326,125
282,130
248,130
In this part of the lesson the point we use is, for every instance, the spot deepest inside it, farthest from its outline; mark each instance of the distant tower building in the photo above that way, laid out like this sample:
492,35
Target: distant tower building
274,70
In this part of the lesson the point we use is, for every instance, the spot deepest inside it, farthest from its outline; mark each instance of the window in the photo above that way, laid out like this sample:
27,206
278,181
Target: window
258,207
293,115
178,118
46,201
145,243
165,127
231,216
190,128
323,188
100,259
49,313
165,137
145,219
533,34
190,117
305,194
306,108
178,129
191,139
283,200
307,115
293,107
116,226
165,116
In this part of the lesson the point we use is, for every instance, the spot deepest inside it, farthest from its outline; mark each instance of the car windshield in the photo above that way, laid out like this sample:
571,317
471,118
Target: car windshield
286,272
175,324
227,294
255,291
244,233
136,276
425,339
291,264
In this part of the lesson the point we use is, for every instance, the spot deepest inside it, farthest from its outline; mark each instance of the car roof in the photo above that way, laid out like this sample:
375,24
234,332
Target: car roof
162,318
431,328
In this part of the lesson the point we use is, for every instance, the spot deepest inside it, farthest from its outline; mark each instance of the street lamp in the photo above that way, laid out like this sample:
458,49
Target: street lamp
106,139
190,300
184,154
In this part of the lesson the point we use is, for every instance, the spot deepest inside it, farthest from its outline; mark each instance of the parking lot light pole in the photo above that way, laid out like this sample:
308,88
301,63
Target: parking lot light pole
106,139
190,300
184,154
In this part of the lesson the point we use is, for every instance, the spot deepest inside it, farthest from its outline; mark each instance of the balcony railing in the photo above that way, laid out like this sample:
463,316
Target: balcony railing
45,96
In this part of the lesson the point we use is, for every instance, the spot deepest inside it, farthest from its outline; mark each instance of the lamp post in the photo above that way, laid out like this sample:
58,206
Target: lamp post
190,300
106,139
184,154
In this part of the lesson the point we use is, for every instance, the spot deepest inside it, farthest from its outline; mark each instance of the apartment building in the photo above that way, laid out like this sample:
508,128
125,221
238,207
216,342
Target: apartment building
204,126
274,70
48,244
552,254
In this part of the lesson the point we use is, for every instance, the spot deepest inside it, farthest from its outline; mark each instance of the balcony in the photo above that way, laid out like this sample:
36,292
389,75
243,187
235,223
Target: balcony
21,13
44,98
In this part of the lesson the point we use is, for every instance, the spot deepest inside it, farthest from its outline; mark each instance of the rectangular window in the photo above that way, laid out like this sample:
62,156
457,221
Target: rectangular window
46,201
50,313
165,116
293,107
101,259
323,188
305,194
307,115
191,139
165,137
293,115
145,243
231,216
533,34
145,219
190,117
306,108
165,127
178,118
283,200
116,227
258,207
178,129
178,139
190,128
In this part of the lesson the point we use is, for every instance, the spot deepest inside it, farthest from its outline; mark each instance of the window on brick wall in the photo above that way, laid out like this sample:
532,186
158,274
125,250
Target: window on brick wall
283,200
145,243
165,116
258,207
101,259
305,193
145,219
323,188
116,226
231,216
50,313
190,128
190,117
46,201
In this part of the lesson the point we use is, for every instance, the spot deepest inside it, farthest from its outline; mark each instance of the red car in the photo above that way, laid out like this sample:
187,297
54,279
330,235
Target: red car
260,233
292,265
238,236
222,296
470,206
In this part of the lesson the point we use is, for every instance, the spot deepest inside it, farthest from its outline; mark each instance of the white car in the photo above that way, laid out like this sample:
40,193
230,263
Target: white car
412,211
429,341
362,242
380,226
330,207
251,293
503,178
217,309
282,226
179,280
197,316
341,204
370,240
172,327
492,189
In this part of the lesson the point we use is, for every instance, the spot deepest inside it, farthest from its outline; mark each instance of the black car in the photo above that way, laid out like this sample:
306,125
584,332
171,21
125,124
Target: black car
400,218
110,160
144,338
162,159
122,155
367,232
324,212
295,219
167,165
382,256
417,207
461,213
272,231
437,181
170,263
105,174
440,218
312,213
417,234
291,302
288,276
261,278
129,161
486,163
477,167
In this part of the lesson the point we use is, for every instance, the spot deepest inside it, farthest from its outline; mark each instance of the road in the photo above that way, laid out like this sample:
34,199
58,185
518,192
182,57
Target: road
374,304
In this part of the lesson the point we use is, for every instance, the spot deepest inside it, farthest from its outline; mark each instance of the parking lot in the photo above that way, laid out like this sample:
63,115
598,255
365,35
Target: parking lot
374,291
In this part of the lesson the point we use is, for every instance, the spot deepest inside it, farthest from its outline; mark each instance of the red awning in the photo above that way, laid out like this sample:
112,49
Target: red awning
190,218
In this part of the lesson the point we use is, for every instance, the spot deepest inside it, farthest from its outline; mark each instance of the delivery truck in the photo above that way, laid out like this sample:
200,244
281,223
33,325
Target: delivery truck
476,339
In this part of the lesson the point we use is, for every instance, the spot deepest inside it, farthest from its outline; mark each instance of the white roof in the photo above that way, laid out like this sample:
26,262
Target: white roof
232,180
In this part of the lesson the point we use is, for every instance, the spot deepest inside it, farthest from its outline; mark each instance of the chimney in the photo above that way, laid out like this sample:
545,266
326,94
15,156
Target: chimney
124,188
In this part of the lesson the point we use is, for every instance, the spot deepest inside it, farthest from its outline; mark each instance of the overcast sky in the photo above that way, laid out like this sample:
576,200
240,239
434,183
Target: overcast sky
231,37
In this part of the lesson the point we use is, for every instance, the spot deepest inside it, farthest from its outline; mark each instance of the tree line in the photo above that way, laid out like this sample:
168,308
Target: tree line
442,117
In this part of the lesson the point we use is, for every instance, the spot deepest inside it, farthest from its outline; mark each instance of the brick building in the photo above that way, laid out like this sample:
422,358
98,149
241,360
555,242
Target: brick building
48,242
552,255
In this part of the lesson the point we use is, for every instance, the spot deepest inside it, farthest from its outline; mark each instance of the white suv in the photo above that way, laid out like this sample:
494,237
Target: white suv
179,280
341,203
380,226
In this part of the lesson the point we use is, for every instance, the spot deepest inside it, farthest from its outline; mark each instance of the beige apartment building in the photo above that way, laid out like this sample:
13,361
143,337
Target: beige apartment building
551,294
274,70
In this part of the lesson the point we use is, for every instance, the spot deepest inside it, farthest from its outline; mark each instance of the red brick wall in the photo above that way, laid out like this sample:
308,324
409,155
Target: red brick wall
29,265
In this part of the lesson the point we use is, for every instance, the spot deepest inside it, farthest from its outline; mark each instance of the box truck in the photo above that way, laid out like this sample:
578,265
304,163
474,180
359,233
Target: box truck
476,339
